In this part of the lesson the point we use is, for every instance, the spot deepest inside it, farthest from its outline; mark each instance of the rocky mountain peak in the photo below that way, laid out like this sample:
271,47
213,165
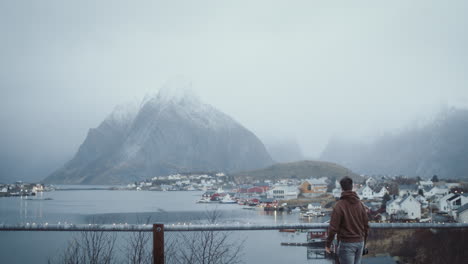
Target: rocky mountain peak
172,132
177,90
124,113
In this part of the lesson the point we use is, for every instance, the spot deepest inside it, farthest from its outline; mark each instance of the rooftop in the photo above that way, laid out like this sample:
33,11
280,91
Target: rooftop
408,187
462,208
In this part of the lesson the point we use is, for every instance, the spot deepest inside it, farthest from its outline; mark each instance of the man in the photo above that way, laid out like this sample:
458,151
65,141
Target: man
349,221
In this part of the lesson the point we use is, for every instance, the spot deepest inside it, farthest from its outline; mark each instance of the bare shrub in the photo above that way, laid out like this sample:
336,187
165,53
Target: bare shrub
205,247
139,246
90,247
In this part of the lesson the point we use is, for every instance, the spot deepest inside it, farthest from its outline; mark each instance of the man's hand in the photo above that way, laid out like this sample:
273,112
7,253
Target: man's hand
327,249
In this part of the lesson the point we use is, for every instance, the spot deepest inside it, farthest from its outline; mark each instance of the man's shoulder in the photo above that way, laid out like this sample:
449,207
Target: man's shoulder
344,203
339,204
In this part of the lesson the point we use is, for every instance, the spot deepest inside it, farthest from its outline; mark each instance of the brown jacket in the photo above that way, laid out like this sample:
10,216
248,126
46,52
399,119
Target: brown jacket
349,220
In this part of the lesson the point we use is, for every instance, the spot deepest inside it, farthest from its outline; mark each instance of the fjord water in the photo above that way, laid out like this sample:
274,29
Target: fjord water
81,206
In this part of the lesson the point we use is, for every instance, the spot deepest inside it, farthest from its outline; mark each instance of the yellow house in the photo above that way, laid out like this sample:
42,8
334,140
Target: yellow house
313,187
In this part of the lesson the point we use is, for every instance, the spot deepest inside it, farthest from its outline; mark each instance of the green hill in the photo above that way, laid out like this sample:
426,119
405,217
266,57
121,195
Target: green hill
298,170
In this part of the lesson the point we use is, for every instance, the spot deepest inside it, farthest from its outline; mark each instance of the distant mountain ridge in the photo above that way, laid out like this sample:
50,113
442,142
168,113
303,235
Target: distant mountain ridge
168,133
305,169
438,148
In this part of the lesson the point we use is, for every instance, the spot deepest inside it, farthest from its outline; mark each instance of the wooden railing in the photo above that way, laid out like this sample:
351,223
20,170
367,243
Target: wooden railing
159,229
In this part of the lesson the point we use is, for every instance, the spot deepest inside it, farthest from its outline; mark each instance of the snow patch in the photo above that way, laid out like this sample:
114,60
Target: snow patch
124,112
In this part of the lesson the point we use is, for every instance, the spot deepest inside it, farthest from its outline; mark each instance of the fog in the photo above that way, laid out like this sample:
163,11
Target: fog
287,70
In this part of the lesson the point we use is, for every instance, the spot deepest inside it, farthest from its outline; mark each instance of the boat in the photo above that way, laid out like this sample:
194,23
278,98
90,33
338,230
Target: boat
227,200
242,202
296,210
317,236
312,214
273,208
204,200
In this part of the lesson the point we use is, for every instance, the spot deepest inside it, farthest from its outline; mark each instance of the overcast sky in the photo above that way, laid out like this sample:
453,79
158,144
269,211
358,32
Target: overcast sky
303,70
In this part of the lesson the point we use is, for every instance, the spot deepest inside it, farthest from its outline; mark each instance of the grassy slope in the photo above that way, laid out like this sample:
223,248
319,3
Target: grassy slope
300,170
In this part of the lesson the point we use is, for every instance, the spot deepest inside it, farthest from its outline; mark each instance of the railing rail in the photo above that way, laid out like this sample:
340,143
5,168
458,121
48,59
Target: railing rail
210,227
159,229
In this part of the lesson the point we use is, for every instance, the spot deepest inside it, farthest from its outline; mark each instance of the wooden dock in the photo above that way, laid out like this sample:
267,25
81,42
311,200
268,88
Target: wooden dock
304,244
298,244
313,252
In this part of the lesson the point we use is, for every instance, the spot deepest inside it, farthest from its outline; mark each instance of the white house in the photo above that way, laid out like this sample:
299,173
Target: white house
411,206
174,177
366,192
456,202
462,214
422,200
337,191
383,216
407,207
371,181
314,207
423,184
184,182
369,193
392,206
381,193
443,204
408,189
283,192
437,190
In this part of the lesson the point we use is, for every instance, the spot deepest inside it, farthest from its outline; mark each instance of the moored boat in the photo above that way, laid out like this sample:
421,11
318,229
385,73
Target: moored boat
317,236
204,200
227,199
312,214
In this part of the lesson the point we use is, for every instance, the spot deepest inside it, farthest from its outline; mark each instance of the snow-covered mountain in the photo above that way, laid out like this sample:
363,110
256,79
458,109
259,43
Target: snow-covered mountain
173,131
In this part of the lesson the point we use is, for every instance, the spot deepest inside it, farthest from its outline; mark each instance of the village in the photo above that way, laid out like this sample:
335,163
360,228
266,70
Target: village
22,189
387,198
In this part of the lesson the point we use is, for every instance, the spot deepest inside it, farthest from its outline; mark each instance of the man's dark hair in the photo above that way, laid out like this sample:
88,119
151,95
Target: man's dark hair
346,184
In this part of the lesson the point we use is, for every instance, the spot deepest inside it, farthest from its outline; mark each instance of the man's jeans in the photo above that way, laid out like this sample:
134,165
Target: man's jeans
350,253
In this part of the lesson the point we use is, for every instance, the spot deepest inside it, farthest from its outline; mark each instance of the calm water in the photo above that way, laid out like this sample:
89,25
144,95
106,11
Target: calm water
102,206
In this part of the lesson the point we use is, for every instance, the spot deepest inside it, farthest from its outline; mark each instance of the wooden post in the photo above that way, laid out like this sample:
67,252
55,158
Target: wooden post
158,243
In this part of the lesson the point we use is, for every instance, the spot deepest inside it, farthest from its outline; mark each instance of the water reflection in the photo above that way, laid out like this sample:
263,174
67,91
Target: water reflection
315,253
101,206
31,207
